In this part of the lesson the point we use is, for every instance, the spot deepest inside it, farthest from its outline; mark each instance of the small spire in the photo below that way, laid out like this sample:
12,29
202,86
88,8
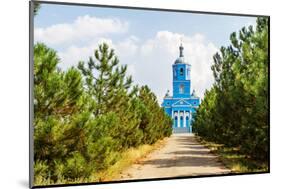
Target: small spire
193,93
167,93
181,50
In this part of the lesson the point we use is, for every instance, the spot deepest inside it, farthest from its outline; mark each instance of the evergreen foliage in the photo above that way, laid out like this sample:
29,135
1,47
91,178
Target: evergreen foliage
85,117
234,112
37,7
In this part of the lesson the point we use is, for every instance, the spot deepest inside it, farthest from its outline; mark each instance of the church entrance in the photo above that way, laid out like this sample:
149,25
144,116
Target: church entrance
181,122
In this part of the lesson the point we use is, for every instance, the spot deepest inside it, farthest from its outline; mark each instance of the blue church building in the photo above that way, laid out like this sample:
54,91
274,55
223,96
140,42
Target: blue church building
182,104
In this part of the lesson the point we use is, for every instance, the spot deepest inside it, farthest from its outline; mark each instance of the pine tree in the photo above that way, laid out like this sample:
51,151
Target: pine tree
235,111
105,80
55,92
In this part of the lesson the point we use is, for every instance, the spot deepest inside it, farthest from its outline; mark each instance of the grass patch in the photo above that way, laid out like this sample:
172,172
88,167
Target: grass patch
128,158
232,159
44,182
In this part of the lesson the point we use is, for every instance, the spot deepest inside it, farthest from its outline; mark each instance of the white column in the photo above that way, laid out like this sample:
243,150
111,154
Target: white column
179,119
184,119
175,115
173,118
190,117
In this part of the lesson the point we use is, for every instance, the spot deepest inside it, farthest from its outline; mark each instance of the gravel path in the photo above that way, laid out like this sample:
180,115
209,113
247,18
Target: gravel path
182,155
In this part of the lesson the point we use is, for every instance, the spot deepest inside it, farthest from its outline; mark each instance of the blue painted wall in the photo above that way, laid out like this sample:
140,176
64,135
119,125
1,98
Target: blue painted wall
181,81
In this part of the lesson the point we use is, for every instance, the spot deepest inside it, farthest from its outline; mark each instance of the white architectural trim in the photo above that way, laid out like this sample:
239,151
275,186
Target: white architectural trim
190,113
183,81
178,118
177,103
194,98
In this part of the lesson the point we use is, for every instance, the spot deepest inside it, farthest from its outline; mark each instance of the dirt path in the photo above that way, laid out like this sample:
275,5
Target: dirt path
181,156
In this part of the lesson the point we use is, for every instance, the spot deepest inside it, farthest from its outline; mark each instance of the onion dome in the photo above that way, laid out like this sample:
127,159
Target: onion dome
180,59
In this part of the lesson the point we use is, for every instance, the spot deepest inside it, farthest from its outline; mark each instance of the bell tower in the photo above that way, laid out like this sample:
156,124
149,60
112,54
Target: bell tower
181,76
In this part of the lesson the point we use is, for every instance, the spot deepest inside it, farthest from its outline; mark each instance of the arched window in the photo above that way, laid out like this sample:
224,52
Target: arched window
181,89
181,71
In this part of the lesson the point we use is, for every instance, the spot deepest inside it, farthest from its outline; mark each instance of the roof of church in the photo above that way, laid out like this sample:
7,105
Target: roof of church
180,59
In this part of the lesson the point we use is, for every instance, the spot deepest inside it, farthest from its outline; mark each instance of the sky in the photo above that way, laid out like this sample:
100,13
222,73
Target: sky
146,41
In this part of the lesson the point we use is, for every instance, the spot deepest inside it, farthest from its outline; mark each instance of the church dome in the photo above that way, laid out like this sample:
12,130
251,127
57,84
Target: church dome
180,59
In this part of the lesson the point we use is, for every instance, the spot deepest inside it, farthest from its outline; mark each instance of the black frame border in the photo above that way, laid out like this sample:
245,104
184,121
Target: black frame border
31,79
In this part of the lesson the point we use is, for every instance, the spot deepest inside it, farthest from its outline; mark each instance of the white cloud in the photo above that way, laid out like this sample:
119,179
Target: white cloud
150,61
125,50
158,54
82,28
73,54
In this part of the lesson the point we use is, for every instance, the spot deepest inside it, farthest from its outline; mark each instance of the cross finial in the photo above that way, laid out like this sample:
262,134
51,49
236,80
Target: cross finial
181,50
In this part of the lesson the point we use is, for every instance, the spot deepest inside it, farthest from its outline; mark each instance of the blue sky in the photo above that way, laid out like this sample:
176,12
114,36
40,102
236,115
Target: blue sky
147,41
